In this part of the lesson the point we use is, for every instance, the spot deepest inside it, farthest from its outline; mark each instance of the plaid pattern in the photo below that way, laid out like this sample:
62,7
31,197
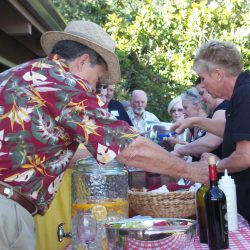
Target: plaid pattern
170,243
238,240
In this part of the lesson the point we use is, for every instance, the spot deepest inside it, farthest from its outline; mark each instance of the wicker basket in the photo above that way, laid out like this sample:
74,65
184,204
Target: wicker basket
178,204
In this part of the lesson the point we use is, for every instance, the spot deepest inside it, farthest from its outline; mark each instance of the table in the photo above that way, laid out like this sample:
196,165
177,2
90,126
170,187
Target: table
238,240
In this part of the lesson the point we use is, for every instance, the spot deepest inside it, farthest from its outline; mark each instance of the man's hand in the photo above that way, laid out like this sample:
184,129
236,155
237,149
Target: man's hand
204,157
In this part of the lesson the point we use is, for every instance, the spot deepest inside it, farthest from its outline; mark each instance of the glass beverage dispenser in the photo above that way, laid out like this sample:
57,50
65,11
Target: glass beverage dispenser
99,195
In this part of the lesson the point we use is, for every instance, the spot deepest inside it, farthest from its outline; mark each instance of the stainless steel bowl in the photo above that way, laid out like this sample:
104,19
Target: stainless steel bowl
158,233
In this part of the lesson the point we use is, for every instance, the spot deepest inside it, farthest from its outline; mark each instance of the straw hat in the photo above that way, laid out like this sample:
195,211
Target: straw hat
91,35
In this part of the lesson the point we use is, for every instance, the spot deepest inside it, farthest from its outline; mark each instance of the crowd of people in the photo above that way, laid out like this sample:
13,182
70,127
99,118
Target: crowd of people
49,106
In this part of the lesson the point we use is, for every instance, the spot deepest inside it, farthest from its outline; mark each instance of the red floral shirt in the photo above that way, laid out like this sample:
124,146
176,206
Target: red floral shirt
45,112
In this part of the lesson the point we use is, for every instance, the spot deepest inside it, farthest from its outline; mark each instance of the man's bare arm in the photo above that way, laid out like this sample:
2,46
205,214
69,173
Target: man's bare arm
239,160
207,143
145,154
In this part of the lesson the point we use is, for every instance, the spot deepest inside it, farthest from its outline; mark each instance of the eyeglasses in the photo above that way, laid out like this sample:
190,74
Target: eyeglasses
176,110
101,86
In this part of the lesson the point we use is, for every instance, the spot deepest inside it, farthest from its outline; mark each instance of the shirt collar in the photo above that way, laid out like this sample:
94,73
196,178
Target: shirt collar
59,61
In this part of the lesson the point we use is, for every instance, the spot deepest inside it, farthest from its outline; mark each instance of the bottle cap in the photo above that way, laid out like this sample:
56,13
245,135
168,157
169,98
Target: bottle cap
211,160
226,179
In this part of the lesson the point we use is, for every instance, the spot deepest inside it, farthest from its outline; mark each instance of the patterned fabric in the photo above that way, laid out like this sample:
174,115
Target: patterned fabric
238,240
45,112
140,124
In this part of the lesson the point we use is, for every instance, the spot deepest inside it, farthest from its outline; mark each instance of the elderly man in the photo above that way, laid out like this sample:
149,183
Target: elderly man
219,65
137,114
47,107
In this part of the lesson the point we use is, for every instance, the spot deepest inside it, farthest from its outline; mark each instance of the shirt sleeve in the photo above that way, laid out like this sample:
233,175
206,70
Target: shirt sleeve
92,124
240,114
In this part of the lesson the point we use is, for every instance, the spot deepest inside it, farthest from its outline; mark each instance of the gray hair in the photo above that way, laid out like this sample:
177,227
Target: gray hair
192,95
138,92
219,54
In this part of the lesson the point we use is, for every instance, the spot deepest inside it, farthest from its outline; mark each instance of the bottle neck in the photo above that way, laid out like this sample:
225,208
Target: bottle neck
213,175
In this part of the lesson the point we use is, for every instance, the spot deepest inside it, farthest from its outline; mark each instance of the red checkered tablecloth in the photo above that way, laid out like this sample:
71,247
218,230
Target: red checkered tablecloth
238,240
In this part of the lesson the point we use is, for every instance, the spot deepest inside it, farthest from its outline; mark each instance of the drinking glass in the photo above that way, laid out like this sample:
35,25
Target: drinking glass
86,228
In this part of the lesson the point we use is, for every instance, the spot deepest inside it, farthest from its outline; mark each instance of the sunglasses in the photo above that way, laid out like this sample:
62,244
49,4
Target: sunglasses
176,110
101,86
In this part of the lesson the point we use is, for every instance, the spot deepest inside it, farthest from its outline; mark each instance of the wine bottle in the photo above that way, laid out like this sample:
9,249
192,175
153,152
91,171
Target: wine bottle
153,180
216,211
201,212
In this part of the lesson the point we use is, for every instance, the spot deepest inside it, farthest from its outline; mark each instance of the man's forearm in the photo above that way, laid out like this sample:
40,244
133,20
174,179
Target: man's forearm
145,154
238,161
204,144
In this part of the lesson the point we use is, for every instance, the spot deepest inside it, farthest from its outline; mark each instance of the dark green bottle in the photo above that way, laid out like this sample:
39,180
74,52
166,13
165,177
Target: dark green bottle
216,212
201,212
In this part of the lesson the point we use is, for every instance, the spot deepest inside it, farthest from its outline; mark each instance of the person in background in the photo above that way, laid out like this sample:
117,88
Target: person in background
137,114
219,65
115,107
102,92
175,109
48,106
126,105
193,107
209,142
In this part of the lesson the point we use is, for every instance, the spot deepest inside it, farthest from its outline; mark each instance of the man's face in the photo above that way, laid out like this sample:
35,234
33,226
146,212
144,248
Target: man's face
139,103
82,68
206,97
111,90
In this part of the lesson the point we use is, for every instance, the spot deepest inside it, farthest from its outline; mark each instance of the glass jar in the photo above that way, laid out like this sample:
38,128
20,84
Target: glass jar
99,195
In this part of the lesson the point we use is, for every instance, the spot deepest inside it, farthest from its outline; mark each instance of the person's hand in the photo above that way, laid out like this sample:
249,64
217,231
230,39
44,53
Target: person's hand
172,141
176,153
181,125
205,156
201,174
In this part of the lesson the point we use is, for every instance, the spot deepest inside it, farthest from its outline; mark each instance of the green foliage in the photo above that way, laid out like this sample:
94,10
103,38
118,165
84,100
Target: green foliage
157,39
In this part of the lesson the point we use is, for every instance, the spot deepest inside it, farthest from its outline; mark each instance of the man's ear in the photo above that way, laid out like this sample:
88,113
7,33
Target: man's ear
83,59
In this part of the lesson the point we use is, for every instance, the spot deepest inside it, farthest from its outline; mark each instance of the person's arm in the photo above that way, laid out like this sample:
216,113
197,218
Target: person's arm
207,143
145,154
79,154
214,126
239,160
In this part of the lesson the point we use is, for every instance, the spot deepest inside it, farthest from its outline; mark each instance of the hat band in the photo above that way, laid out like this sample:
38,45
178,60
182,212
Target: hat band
90,39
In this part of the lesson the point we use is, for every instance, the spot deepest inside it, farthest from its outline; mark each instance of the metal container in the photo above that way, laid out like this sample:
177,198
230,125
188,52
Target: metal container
160,233
99,195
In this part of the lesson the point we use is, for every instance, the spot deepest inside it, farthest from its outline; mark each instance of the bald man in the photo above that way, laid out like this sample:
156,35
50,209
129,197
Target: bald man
137,114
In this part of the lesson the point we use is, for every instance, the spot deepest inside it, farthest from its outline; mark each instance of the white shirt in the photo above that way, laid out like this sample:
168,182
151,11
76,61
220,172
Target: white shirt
140,124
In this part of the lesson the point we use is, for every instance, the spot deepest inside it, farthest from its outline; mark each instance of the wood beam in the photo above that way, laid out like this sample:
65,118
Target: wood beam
13,51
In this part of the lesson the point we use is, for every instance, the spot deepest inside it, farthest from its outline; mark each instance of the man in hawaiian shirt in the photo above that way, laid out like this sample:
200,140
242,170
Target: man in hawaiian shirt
47,107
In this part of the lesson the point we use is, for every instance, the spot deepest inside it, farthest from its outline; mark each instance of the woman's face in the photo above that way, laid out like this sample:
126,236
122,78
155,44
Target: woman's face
190,109
206,97
177,112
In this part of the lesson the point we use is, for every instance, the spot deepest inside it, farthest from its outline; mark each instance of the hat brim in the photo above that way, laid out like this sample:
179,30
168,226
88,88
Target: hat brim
50,38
